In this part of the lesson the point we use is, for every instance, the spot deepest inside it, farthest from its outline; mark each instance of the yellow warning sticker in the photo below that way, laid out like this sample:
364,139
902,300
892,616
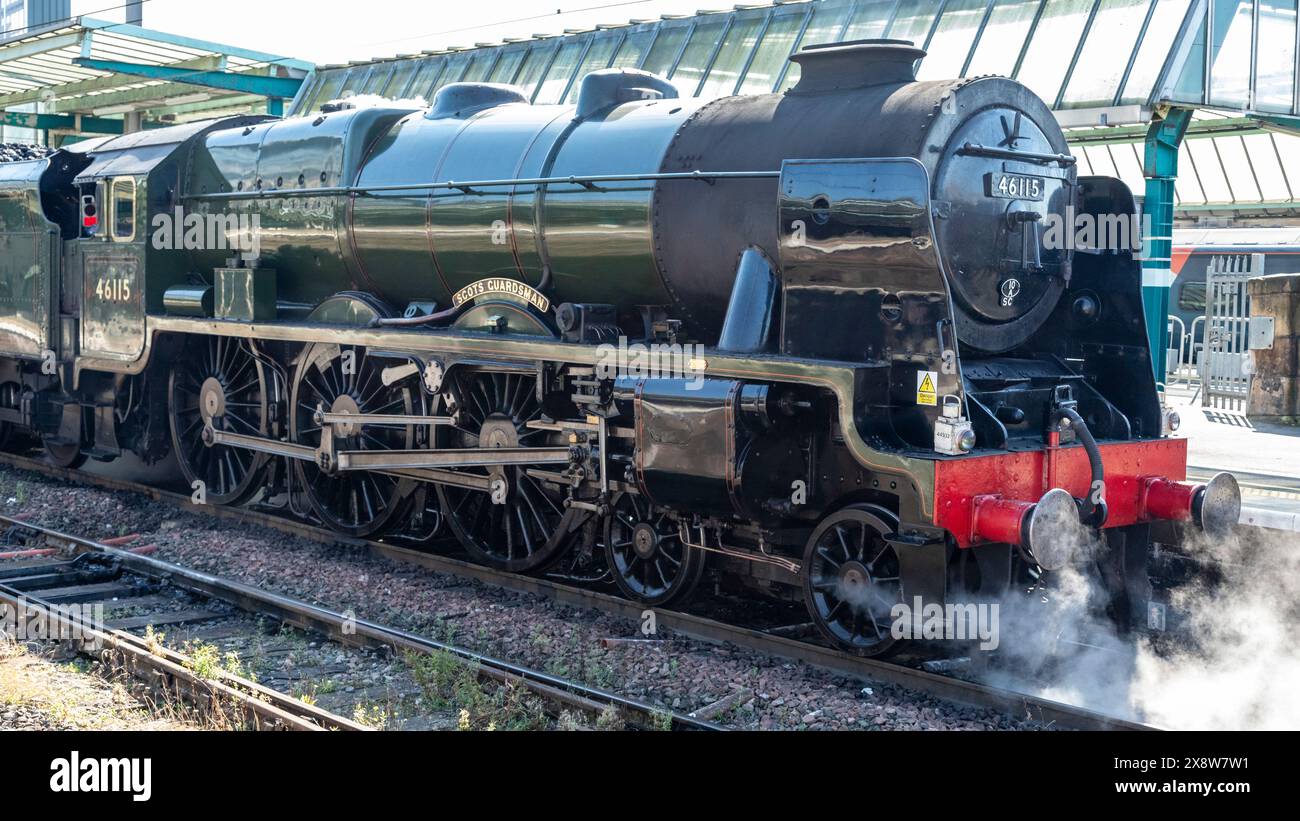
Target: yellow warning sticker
926,394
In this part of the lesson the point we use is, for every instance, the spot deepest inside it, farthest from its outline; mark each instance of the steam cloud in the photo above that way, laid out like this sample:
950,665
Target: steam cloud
1241,669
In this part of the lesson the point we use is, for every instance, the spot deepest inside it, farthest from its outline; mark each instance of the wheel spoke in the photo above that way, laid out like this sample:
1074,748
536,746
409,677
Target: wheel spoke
227,366
517,534
825,554
358,503
523,528
669,571
844,545
851,598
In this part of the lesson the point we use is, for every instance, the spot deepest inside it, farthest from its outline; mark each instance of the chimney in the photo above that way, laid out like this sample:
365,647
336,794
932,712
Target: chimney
855,64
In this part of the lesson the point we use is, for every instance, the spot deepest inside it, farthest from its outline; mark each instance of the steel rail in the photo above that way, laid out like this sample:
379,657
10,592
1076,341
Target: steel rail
348,630
149,663
1021,705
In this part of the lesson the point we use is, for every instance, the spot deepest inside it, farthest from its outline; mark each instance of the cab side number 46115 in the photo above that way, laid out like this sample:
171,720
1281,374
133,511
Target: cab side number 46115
113,289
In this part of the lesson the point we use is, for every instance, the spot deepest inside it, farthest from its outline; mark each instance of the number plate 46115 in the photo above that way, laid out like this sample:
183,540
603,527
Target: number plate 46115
1014,186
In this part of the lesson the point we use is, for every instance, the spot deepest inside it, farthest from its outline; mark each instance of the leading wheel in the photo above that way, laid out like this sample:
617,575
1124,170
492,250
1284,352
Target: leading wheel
63,455
649,562
852,579
9,399
509,526
345,379
66,454
219,378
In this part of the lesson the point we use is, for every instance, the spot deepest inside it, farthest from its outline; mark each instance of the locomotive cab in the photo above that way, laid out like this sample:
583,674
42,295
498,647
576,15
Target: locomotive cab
38,214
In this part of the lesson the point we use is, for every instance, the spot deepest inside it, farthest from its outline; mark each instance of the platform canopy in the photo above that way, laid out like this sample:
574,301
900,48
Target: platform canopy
1101,64
1231,169
86,76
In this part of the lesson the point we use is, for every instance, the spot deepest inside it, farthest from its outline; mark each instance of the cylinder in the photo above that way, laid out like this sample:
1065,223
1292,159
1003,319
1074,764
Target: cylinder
188,300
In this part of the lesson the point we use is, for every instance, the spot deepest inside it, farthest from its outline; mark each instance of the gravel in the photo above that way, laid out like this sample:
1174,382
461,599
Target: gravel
677,672
39,692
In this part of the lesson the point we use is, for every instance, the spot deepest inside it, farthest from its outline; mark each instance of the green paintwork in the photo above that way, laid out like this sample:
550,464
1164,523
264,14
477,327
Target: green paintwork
113,328
246,294
1160,167
418,245
504,317
299,237
112,281
108,272
28,260
505,232
344,310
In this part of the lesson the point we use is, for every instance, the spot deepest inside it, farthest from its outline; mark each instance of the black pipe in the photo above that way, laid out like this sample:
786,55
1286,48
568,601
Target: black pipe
1094,514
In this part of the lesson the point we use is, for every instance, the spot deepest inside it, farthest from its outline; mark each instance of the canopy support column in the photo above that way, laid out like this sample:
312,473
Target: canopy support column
1160,167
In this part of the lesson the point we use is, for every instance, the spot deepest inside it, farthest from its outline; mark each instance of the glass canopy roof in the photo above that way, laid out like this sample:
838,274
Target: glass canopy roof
1224,165
1233,54
1094,61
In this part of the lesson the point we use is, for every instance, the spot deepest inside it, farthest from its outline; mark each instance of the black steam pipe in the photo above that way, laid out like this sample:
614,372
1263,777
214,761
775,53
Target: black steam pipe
1094,514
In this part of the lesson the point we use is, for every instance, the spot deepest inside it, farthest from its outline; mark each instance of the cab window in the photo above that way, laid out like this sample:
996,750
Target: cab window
89,211
122,197
1192,297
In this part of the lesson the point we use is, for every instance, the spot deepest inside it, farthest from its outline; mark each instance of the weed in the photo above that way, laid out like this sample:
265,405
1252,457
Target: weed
156,642
609,718
661,720
449,684
207,662
204,660
373,716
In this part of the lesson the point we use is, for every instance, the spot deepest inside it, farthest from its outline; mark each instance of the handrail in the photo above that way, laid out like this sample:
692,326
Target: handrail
467,186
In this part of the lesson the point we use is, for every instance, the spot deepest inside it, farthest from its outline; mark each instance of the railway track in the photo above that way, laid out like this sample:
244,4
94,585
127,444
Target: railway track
42,591
1258,484
55,569
960,691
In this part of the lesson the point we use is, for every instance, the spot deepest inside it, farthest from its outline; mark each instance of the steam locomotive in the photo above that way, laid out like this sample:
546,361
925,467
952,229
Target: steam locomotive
817,342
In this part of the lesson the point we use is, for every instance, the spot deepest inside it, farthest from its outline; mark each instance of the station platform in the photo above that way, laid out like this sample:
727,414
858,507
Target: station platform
1265,458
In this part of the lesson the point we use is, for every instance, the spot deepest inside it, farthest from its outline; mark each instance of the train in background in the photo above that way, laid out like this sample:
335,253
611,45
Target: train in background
1194,248
886,387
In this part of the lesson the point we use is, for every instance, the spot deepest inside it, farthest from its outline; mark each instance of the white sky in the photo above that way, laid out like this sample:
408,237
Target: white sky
336,31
